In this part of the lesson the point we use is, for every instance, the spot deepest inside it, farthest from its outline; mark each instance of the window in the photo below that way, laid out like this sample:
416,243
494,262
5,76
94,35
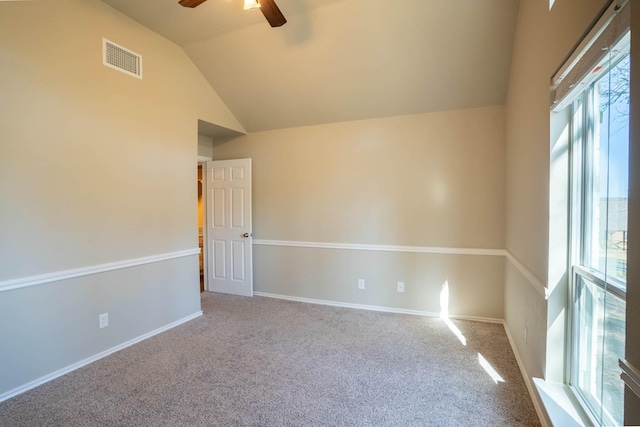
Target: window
600,145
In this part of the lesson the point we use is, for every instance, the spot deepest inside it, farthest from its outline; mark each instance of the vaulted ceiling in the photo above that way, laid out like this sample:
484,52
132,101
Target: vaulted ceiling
339,60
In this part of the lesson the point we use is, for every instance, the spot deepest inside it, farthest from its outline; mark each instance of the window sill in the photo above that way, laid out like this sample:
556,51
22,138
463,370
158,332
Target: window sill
561,406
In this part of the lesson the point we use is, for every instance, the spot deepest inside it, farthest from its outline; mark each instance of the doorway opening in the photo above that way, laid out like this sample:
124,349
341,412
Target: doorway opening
200,227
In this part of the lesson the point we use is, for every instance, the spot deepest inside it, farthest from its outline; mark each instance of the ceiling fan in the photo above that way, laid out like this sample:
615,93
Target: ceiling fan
269,9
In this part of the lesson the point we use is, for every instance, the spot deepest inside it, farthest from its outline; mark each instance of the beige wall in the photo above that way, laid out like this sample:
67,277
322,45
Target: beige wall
426,180
75,130
205,146
474,282
95,167
429,180
543,38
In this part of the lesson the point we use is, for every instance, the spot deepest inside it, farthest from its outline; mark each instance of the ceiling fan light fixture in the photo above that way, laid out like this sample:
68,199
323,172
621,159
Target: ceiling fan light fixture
251,4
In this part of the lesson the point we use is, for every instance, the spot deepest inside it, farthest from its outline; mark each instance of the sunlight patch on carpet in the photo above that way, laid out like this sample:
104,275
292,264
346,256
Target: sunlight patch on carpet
444,313
495,376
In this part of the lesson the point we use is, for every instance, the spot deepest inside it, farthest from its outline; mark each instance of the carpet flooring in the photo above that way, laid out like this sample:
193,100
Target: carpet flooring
266,362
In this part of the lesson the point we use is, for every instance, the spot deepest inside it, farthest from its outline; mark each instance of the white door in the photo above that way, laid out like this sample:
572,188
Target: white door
229,227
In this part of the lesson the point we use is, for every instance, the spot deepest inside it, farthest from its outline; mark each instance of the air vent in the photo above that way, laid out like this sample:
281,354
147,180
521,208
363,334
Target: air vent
121,59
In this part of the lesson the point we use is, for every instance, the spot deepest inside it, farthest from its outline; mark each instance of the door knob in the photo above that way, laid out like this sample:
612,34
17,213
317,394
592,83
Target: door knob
245,235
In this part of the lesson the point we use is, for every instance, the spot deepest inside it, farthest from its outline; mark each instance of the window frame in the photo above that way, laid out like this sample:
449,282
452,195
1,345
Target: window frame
582,131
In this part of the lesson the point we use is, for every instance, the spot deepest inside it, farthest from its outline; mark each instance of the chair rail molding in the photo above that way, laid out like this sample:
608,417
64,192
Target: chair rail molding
24,282
382,248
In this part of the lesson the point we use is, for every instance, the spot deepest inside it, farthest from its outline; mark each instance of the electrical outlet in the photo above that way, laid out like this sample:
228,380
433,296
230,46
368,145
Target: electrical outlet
400,286
526,334
360,283
103,319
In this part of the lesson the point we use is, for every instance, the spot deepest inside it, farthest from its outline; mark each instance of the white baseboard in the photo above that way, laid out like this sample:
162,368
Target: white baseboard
527,381
374,307
45,379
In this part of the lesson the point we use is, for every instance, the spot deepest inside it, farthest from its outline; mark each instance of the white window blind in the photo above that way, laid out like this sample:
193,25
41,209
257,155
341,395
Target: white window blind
586,62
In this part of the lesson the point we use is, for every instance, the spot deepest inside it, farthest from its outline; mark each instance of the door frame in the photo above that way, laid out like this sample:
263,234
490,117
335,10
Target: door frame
205,259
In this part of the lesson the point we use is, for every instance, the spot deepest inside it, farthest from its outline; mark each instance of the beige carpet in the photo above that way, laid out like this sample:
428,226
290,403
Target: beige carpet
265,362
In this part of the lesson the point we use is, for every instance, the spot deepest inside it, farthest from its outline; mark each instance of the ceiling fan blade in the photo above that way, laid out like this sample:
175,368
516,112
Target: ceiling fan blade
191,3
271,11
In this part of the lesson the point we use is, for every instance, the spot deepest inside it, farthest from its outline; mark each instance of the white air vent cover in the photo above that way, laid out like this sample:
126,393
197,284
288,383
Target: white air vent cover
121,59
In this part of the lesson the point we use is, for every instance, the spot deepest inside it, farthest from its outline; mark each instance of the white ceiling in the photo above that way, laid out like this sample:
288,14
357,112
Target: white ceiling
339,60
